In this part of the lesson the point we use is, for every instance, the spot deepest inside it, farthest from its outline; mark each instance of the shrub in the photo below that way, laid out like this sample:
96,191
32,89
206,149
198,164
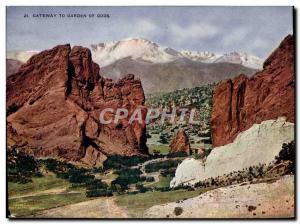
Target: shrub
141,188
21,166
99,193
177,154
178,211
79,177
62,175
197,156
168,172
150,179
94,184
127,176
119,162
288,153
116,188
163,139
154,167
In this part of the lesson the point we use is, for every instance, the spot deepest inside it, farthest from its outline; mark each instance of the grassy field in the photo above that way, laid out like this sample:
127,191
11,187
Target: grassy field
163,149
163,182
136,205
27,199
26,206
38,184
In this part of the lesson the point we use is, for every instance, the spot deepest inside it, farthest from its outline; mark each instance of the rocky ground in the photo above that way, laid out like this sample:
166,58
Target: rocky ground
262,200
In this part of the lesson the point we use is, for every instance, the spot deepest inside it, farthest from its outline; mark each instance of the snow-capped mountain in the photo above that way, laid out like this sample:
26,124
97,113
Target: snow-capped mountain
135,48
144,50
141,49
245,59
201,56
153,63
21,56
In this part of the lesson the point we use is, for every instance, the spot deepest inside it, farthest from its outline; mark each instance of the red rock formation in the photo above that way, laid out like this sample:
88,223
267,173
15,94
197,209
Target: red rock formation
59,95
269,94
180,143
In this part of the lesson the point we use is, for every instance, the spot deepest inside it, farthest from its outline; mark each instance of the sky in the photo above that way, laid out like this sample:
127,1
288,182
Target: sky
254,30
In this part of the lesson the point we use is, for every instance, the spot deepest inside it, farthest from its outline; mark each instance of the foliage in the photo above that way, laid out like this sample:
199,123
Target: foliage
154,167
99,193
168,172
21,166
127,176
150,179
197,156
141,188
163,139
119,162
288,153
177,154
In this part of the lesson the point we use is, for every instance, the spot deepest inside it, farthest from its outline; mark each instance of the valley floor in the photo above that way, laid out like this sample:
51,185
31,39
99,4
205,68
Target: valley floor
97,208
262,200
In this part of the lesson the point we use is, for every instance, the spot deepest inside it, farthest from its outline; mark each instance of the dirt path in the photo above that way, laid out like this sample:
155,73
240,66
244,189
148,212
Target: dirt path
97,208
58,190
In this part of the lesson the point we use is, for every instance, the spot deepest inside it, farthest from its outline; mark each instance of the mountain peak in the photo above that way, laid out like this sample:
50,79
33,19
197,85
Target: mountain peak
139,48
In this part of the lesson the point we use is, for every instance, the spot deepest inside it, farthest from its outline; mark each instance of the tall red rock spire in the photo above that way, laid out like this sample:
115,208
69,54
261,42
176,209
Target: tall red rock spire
269,94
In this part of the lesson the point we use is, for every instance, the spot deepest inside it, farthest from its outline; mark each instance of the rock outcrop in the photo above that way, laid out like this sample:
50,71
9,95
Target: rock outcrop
269,94
257,145
180,142
57,97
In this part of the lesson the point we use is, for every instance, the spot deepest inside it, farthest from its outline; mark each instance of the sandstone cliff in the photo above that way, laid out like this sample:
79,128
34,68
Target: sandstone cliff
269,94
57,97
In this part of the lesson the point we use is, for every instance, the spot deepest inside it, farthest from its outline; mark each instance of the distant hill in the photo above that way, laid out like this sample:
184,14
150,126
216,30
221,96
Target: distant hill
178,74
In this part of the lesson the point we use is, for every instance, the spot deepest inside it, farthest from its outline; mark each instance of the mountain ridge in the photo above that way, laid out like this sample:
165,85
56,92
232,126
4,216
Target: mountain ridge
139,48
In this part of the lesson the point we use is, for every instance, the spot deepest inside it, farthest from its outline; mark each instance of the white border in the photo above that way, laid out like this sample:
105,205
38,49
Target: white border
4,3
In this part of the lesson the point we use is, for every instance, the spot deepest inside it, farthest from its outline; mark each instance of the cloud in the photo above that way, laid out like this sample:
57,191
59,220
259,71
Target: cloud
238,35
140,28
192,32
146,27
258,44
246,39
